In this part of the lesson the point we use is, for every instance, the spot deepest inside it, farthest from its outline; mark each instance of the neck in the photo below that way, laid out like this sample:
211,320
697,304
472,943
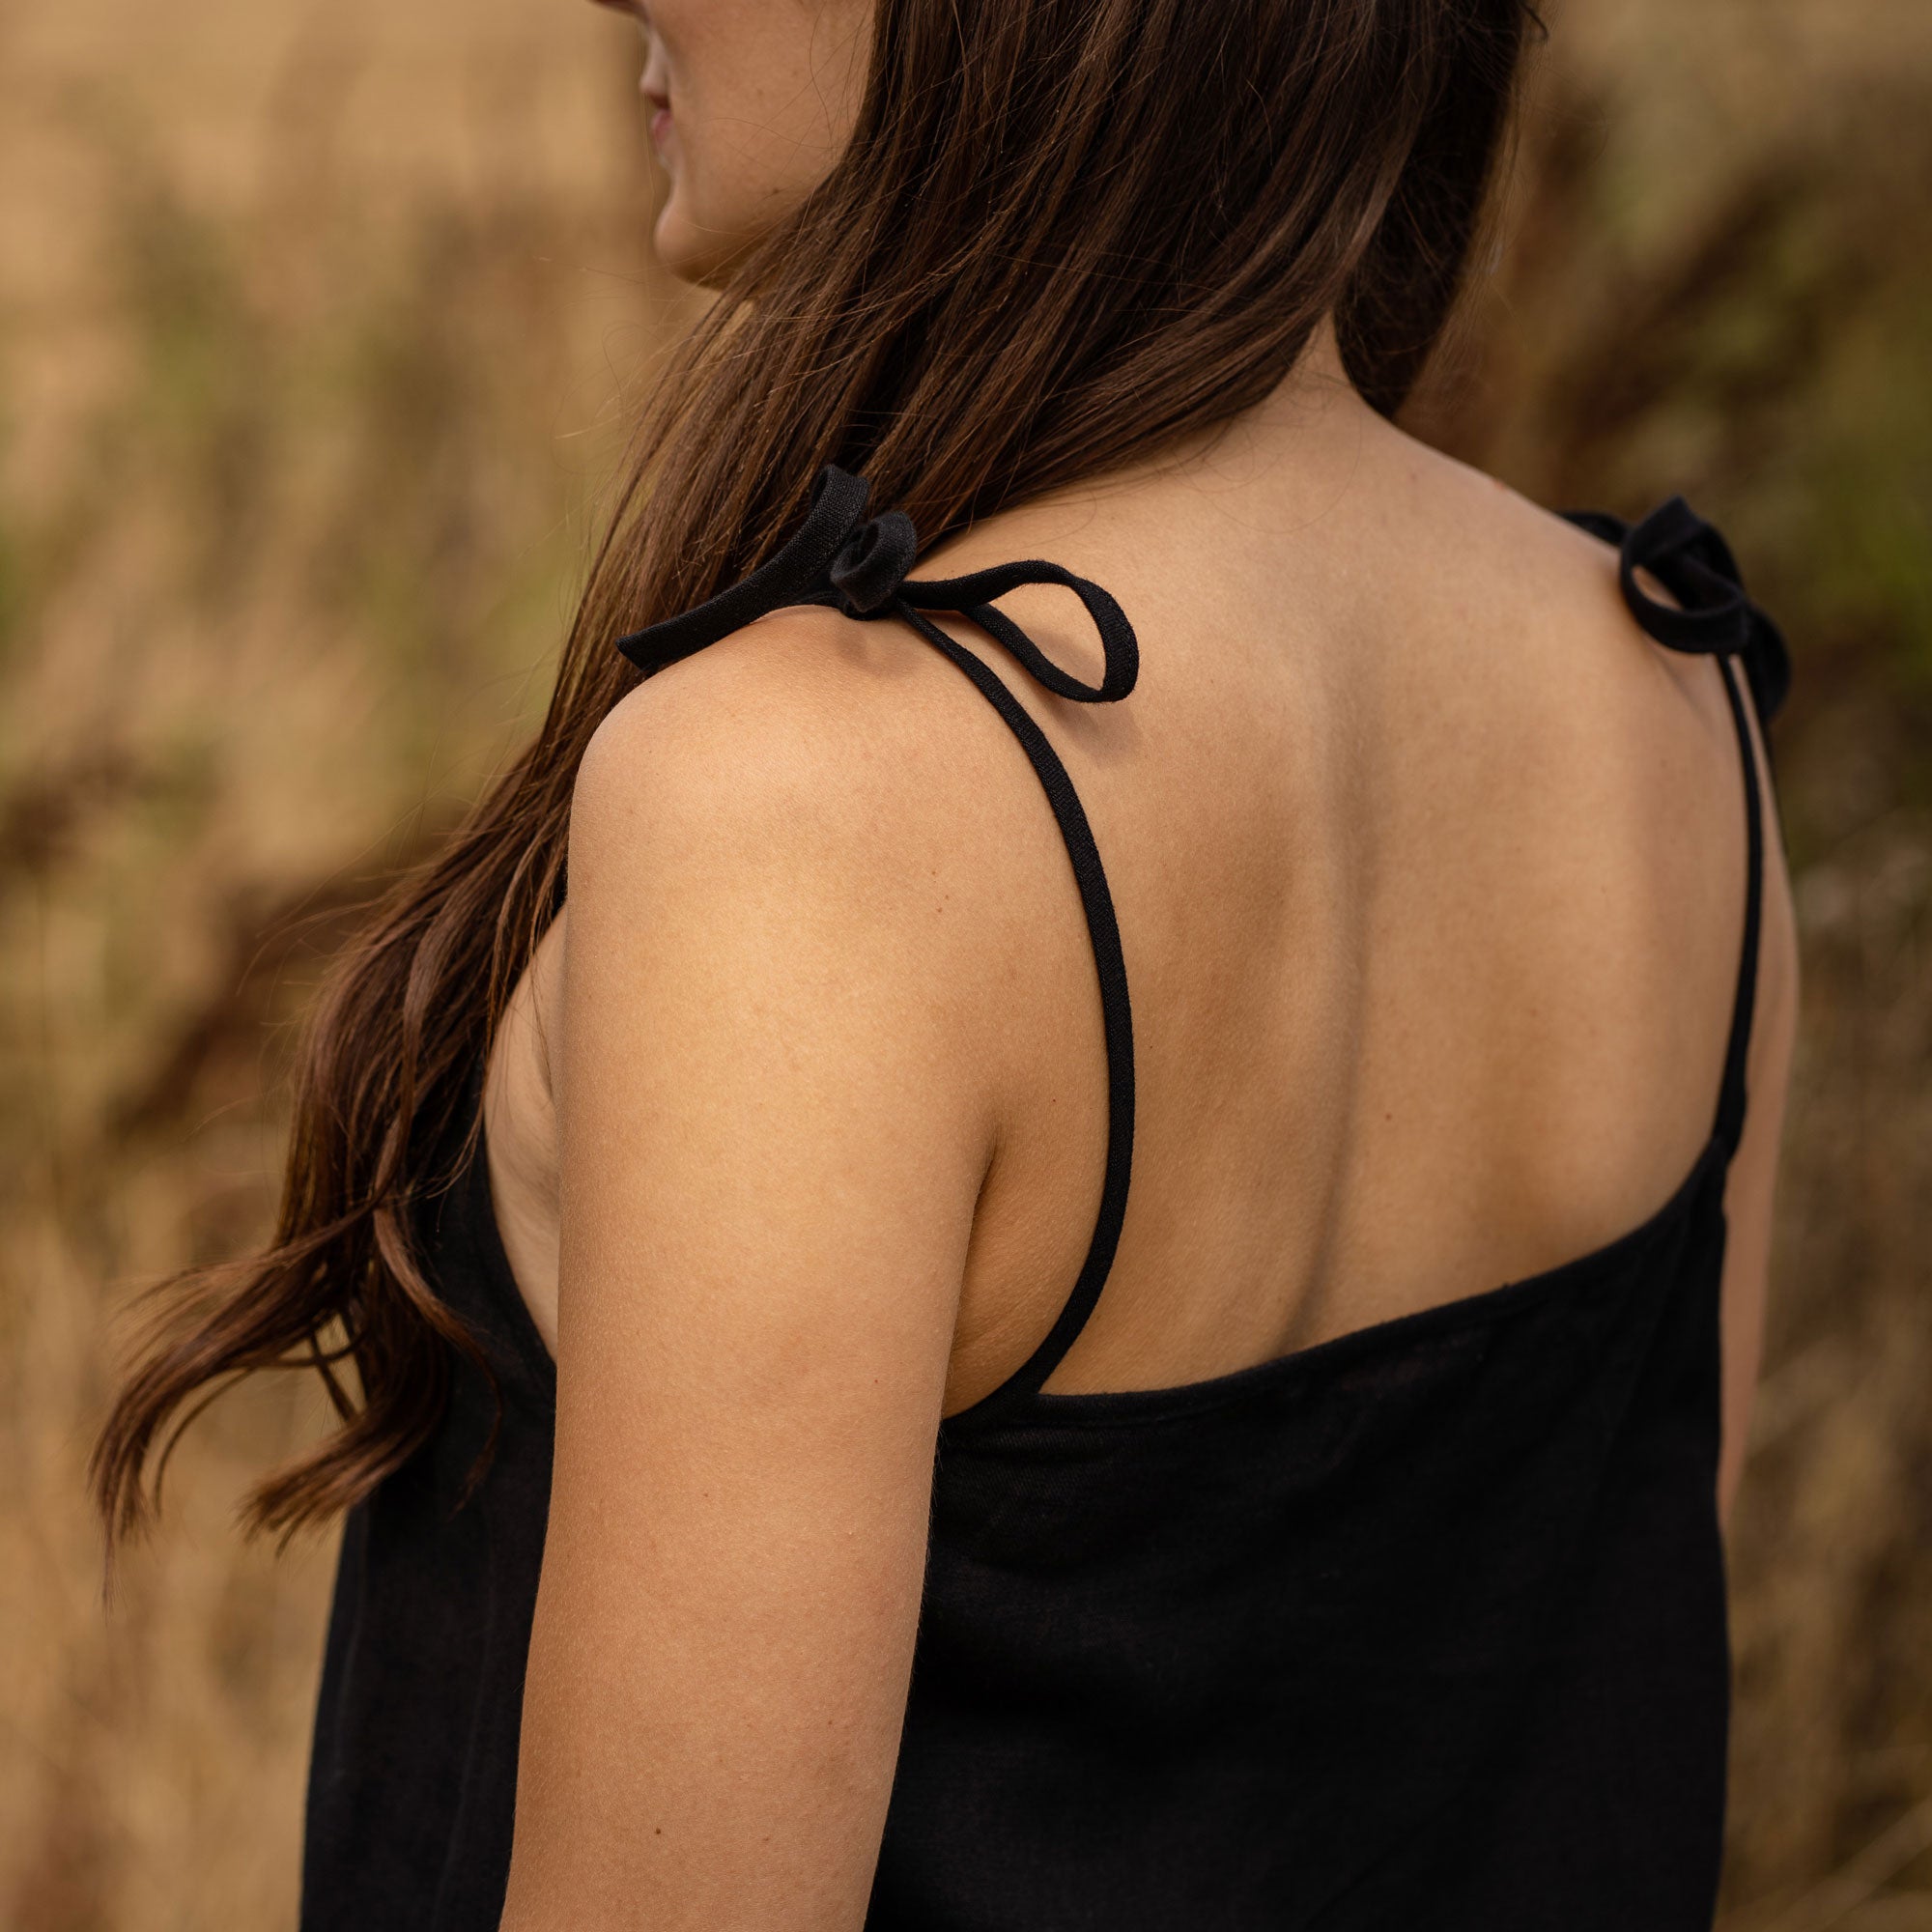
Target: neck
1312,425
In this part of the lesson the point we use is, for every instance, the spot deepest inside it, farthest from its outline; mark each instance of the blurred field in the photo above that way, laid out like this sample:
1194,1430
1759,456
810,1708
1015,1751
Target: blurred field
312,329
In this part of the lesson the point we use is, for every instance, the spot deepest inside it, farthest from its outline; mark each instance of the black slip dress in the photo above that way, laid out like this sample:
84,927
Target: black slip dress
1421,1628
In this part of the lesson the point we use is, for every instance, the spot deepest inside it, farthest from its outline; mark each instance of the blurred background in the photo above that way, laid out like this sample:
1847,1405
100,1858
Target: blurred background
315,328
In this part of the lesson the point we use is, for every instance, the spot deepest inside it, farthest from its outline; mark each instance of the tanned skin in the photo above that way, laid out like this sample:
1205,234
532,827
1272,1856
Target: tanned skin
1430,867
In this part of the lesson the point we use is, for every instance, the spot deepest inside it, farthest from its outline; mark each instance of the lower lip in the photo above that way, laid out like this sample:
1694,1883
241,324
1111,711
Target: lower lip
660,125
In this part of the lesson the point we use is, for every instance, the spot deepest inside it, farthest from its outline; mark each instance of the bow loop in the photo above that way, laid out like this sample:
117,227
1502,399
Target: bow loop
972,596
859,565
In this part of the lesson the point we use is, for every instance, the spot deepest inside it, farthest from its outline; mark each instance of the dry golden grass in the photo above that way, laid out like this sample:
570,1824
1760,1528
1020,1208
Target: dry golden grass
309,332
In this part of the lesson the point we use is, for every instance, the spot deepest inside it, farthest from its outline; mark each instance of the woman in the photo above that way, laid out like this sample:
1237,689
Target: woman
720,1250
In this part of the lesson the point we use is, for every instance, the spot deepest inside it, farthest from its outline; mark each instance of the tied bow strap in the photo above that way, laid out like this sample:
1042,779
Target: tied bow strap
858,564
1694,563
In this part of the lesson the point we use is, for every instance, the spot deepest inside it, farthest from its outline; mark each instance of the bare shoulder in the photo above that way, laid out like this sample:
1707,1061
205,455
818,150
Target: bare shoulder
1561,584
1563,660
1637,744
805,732
1532,562
804,707
1546,569
822,767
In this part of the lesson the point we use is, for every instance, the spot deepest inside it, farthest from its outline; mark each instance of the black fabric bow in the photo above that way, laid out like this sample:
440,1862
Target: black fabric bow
1694,563
857,564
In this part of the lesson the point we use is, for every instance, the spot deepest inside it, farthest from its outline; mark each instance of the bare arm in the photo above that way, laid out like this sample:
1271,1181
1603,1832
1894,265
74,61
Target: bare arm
1750,1190
773,1143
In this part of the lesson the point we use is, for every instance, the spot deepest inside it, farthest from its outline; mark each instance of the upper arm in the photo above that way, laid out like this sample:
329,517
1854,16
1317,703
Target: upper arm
773,1131
1751,1186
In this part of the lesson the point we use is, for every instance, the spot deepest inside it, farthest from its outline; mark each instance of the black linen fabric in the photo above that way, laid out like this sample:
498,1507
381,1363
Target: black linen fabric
1423,1627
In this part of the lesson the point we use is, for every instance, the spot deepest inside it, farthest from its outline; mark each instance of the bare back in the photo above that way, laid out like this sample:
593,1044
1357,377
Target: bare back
1430,872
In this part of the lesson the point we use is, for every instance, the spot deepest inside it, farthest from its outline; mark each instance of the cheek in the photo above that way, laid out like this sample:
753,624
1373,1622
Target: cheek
763,95
721,194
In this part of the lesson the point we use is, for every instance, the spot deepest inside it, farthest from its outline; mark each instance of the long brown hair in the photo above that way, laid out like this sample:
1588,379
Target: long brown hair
1066,235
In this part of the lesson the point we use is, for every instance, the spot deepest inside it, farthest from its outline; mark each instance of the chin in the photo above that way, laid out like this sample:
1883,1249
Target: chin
694,251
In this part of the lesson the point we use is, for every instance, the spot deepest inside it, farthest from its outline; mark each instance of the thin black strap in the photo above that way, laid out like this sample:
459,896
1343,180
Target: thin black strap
1693,563
858,566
